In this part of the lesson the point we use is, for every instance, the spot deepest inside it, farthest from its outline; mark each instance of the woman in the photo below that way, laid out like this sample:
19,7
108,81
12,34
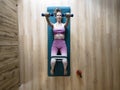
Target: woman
59,38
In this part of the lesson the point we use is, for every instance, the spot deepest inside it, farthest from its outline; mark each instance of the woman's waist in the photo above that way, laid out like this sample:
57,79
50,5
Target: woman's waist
58,41
59,36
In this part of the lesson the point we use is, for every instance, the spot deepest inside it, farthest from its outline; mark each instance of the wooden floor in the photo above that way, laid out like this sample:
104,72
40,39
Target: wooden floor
9,51
95,45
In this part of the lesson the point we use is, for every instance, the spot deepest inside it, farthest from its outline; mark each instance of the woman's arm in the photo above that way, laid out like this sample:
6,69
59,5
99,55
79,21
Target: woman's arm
68,19
48,21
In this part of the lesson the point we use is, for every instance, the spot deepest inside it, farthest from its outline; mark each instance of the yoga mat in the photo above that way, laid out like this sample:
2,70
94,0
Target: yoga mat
59,69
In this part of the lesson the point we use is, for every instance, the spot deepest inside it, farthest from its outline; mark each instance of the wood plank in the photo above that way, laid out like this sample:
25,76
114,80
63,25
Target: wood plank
98,46
8,23
8,52
6,76
10,83
8,65
115,45
15,87
9,60
9,7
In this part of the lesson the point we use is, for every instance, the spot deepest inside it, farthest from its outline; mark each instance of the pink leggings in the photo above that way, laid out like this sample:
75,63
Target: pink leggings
59,44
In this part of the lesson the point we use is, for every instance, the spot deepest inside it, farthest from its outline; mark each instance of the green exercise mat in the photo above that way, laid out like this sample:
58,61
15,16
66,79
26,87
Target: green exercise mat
59,70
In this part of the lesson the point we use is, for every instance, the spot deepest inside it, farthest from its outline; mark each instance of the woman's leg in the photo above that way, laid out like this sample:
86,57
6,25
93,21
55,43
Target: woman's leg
64,61
54,51
53,62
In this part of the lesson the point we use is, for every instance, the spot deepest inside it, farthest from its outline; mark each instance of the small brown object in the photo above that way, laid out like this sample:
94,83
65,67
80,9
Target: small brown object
79,72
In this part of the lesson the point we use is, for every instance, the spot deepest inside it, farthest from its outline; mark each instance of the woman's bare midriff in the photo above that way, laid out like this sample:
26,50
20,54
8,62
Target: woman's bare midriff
59,36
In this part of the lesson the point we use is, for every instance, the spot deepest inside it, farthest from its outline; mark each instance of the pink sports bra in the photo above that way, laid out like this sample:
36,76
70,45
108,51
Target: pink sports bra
59,30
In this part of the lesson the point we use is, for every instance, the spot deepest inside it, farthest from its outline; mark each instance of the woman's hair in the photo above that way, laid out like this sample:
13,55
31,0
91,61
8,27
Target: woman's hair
57,10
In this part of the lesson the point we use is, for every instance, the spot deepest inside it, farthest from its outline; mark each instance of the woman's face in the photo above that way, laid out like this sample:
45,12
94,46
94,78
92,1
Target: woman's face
58,16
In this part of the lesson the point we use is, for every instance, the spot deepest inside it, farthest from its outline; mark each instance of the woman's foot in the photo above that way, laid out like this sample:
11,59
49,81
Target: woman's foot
65,72
51,72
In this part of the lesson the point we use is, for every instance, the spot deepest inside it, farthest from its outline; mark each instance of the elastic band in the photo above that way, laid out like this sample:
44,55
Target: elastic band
58,56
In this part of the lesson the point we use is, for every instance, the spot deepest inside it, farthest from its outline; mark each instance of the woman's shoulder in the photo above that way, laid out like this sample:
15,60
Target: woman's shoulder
54,24
63,24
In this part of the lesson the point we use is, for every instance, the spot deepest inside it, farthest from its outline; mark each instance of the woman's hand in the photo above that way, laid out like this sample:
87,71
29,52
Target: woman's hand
47,15
68,15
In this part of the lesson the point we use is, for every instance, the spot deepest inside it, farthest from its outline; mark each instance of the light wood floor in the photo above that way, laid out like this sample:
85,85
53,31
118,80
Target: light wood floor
95,45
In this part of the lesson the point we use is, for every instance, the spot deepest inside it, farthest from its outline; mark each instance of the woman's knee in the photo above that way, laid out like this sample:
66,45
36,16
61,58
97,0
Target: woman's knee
53,60
64,60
